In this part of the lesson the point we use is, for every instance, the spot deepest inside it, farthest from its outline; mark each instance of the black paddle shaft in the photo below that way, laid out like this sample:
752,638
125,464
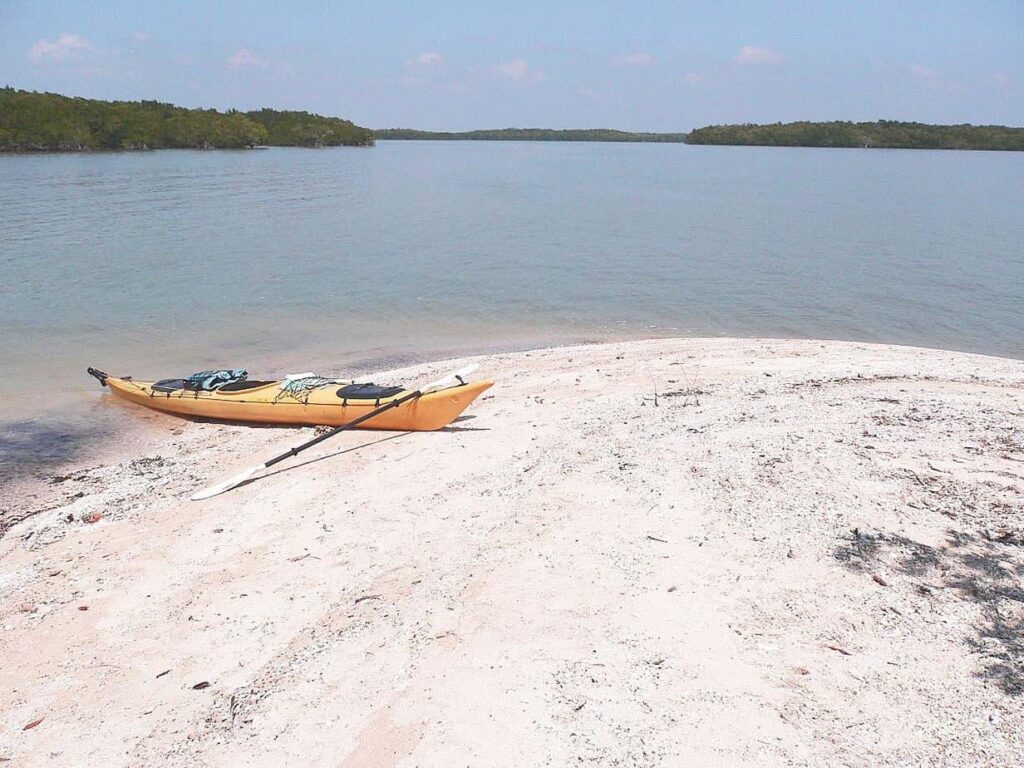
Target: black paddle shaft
349,425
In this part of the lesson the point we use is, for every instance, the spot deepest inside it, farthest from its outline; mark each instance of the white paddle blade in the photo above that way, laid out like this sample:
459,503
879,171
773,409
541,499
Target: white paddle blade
227,485
451,380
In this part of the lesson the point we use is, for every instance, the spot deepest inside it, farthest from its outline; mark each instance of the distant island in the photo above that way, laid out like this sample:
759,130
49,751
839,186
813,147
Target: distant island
884,134
49,122
529,134
889,134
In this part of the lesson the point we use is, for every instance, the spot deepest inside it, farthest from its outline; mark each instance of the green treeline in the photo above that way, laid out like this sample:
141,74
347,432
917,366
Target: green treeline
884,133
529,134
31,121
301,129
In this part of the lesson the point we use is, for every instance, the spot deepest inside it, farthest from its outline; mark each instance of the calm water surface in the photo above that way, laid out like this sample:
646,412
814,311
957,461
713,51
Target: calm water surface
162,263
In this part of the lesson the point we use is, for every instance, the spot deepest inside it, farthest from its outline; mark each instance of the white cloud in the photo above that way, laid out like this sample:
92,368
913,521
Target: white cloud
428,59
140,37
1001,79
925,73
64,47
244,58
934,80
514,70
752,54
695,78
518,71
632,60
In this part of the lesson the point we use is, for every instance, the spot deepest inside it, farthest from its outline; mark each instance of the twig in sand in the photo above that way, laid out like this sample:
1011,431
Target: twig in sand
366,597
691,388
655,538
838,649
936,469
917,478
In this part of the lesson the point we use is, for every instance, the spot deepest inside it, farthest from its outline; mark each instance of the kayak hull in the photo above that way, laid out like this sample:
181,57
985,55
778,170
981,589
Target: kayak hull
268,405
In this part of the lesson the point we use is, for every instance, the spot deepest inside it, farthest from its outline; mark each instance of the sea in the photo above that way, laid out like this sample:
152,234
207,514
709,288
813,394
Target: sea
349,260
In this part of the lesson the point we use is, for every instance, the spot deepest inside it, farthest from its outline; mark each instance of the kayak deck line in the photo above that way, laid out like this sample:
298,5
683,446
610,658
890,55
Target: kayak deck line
263,404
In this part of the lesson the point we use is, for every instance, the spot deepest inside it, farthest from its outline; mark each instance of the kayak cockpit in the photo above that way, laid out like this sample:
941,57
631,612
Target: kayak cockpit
170,386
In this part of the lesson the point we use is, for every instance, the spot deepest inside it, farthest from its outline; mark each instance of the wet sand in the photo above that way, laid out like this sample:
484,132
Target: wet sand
708,552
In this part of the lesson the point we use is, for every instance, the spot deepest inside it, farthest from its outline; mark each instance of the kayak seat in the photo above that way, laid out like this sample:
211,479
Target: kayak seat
367,392
169,385
176,385
240,386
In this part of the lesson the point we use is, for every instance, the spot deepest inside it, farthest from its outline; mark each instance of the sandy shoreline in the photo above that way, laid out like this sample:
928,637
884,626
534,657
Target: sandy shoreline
680,551
77,427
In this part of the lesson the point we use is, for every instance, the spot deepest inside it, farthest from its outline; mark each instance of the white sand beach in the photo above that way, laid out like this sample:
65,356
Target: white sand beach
707,552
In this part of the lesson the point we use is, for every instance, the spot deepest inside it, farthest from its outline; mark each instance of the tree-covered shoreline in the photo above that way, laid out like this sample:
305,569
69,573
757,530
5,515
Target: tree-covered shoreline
882,134
528,134
49,122
888,134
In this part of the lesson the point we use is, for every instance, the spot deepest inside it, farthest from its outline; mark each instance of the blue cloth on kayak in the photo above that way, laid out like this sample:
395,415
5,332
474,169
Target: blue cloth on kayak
302,387
208,381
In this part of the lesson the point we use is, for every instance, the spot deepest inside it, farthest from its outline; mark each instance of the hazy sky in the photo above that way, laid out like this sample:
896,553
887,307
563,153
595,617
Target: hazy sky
660,66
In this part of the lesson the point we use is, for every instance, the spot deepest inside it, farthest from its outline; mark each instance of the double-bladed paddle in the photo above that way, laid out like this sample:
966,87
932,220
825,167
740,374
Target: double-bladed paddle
452,379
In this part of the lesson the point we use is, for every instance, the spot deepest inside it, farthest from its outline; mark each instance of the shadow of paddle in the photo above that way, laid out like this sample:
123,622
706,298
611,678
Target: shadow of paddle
324,457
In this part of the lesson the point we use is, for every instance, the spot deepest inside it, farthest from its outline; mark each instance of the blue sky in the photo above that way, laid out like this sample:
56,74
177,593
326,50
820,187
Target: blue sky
659,66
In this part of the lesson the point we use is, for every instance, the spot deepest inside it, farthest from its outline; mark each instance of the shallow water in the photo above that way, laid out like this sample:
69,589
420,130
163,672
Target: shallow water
162,263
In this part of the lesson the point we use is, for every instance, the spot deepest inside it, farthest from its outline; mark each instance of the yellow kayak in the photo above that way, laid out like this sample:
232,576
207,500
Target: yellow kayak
266,402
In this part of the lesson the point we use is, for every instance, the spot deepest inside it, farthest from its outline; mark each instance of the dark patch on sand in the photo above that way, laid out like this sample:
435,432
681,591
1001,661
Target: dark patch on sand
984,569
33,448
